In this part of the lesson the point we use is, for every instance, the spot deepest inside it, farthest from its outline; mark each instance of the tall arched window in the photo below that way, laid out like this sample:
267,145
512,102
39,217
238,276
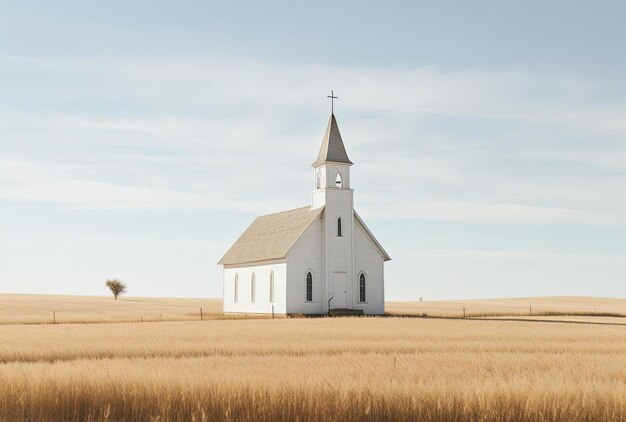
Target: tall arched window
236,290
318,179
339,227
362,297
252,288
338,181
309,287
271,286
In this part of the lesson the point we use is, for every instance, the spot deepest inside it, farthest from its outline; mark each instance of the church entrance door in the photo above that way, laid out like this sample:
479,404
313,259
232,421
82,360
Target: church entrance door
340,290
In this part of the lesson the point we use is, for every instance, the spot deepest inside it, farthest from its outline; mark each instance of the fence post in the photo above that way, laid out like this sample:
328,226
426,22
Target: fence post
200,313
464,312
54,317
530,309
272,311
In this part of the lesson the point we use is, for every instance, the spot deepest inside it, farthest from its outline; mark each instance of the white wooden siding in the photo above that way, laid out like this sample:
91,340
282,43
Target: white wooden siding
262,302
368,260
338,254
305,255
308,253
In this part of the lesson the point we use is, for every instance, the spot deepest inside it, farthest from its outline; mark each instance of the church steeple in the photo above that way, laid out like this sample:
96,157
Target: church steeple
331,169
332,149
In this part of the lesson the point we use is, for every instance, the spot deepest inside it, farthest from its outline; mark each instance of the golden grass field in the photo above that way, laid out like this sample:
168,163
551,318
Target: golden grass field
313,369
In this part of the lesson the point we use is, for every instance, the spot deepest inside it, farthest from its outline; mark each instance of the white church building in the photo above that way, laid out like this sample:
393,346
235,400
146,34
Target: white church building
317,259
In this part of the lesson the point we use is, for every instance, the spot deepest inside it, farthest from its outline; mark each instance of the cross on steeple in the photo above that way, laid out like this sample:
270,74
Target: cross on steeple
332,101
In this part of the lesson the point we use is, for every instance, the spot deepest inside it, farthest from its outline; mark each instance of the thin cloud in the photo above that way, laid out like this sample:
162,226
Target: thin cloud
450,210
218,137
504,254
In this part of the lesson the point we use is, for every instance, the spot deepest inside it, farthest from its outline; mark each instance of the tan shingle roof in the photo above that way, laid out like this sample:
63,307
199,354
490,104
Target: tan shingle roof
270,236
332,146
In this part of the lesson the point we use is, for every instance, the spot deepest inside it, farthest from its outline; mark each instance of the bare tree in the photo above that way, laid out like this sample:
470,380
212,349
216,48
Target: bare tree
117,286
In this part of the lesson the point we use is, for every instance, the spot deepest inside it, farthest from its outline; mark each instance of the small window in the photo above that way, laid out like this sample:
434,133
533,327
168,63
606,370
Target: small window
338,181
318,180
309,287
252,288
271,286
236,291
362,297
339,233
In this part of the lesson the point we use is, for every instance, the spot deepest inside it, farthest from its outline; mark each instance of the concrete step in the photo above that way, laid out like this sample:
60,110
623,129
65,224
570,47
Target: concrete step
345,312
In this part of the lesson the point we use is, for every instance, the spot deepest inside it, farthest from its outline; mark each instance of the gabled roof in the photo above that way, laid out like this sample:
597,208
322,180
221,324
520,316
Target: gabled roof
332,148
270,236
369,234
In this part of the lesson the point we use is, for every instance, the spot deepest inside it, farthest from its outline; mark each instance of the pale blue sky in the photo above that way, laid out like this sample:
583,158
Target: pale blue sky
139,139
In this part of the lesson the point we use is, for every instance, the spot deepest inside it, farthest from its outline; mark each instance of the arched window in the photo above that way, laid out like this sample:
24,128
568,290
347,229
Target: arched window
271,286
252,287
339,227
236,291
318,179
338,181
362,296
309,287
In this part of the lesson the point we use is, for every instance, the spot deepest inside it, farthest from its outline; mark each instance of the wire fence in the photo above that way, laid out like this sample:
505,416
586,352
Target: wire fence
62,314
78,316
99,310
16,310
468,310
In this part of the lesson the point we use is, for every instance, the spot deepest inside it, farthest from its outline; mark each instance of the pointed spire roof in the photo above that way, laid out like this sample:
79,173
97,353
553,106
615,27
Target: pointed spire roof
332,146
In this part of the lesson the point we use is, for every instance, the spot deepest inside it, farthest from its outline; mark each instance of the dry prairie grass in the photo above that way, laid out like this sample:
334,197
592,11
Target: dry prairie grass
314,369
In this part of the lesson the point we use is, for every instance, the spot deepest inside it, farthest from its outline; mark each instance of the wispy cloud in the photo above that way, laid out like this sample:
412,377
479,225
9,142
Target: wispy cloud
246,84
214,134
504,254
490,212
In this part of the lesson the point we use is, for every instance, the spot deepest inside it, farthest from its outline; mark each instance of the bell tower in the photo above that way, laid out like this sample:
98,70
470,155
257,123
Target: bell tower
331,178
